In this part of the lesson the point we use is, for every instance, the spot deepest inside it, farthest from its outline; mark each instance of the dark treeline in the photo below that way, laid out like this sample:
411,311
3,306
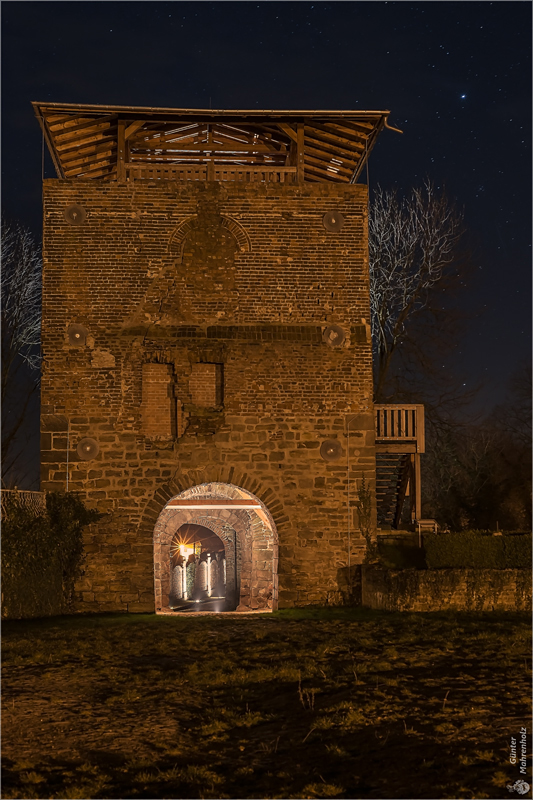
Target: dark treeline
478,475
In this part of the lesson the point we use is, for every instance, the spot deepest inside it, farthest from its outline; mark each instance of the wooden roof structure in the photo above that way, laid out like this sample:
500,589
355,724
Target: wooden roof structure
122,143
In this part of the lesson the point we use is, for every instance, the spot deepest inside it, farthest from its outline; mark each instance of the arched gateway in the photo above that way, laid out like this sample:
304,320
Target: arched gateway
242,556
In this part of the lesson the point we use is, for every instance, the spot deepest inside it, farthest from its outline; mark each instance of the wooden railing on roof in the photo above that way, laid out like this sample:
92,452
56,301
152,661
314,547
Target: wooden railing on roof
400,425
210,172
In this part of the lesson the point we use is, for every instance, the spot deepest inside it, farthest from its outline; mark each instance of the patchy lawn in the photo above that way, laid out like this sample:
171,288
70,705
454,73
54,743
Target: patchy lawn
297,704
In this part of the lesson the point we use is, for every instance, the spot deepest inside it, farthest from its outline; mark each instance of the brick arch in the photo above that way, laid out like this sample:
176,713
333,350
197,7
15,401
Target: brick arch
179,235
181,482
238,233
252,553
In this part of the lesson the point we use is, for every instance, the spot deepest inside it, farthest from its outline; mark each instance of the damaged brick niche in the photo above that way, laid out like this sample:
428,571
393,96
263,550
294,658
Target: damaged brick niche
210,352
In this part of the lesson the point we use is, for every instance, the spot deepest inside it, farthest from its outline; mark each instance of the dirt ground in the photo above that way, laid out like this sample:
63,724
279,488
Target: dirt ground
332,703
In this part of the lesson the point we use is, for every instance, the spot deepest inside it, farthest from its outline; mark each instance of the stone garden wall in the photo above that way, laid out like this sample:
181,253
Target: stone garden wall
446,589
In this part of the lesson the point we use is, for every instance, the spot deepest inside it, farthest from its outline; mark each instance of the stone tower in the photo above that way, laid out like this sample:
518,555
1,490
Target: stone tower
206,340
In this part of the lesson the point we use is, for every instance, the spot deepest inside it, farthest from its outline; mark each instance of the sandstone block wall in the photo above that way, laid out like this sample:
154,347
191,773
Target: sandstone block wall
205,306
446,589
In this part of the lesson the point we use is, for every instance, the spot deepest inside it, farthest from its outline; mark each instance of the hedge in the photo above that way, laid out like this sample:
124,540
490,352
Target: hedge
42,554
477,549
399,556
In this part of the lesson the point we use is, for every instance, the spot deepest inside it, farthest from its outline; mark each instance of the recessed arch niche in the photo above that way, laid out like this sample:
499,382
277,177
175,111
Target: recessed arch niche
246,529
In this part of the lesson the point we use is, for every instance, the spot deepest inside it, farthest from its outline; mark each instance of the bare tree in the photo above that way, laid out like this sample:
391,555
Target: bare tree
413,251
479,475
21,337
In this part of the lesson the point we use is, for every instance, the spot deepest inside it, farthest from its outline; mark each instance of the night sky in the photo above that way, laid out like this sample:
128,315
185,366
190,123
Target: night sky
455,76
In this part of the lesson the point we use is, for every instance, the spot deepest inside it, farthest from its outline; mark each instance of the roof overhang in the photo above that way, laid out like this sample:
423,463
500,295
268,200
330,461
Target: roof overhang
92,141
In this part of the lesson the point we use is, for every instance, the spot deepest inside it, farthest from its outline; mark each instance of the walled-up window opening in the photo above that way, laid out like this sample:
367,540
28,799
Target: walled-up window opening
158,404
206,385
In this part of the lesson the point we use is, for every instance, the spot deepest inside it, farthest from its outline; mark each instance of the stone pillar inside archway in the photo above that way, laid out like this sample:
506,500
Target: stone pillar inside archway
198,568
249,534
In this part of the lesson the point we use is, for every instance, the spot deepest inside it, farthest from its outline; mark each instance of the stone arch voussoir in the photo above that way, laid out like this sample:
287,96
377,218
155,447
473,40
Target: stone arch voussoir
224,475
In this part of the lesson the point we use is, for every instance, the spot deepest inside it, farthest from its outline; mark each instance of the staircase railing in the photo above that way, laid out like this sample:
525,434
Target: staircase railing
400,423
400,429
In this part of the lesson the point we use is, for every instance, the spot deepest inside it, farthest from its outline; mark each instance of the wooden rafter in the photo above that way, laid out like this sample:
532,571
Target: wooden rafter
74,127
87,149
314,136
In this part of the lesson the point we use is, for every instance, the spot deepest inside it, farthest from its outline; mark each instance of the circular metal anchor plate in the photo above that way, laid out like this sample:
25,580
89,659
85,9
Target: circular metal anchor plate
331,450
334,336
75,215
333,221
87,449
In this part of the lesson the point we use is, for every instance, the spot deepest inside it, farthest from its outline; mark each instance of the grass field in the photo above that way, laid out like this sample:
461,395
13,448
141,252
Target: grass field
298,704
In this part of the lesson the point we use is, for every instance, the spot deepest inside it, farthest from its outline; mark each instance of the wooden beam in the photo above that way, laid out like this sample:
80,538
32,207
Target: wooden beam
88,127
418,487
290,132
50,143
101,168
132,128
395,447
420,430
182,134
300,162
325,160
331,176
121,152
352,127
86,138
341,137
92,159
53,119
211,147
153,129
412,489
313,174
330,142
85,150
201,158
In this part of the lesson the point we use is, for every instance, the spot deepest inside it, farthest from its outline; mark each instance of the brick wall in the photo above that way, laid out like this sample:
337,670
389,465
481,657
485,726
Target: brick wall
158,405
170,280
205,385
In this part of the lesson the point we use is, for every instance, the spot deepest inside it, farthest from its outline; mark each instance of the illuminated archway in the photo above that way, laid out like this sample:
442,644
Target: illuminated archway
198,571
244,525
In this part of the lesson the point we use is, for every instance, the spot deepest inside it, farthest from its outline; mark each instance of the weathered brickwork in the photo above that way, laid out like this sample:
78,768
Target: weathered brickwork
205,385
446,589
158,405
205,306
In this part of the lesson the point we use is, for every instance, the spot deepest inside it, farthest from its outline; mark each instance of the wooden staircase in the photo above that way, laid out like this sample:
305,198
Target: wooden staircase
392,480
399,443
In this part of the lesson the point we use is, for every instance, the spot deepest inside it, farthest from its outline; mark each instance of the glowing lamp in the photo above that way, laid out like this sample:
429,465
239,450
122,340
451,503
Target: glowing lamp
186,551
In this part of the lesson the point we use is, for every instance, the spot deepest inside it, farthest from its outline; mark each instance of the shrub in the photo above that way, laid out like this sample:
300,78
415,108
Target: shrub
42,554
478,549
